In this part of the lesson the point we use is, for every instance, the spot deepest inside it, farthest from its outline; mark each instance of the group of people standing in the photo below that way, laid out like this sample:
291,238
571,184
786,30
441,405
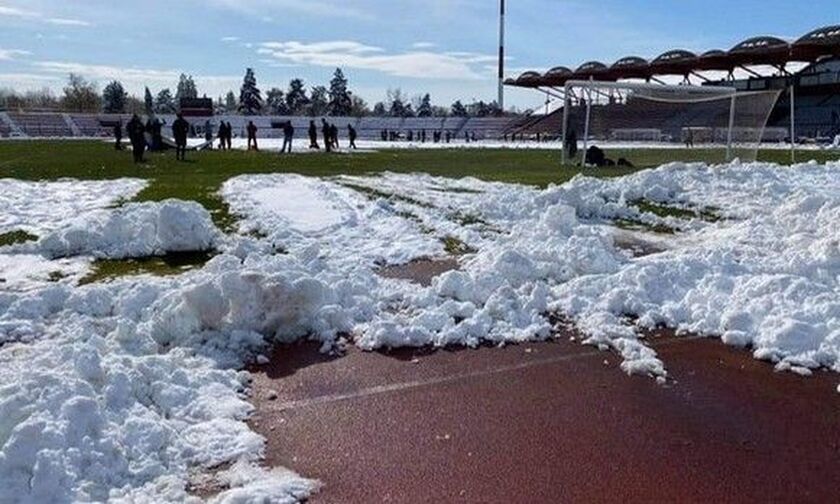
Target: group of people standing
150,136
225,134
330,135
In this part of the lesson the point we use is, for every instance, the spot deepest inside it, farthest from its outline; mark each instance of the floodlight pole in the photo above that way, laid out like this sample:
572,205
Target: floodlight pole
566,103
501,99
792,125
731,125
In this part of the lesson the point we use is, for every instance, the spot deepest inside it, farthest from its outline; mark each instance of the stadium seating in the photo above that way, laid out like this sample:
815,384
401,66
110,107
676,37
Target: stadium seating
368,128
38,124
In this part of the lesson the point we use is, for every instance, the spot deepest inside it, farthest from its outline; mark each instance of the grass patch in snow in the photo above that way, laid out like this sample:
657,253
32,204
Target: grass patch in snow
634,225
170,264
375,194
457,190
15,237
708,214
454,246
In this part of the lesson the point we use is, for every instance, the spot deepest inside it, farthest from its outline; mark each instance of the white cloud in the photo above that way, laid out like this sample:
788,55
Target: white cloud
33,15
135,79
67,22
10,54
6,11
262,9
229,39
423,45
348,54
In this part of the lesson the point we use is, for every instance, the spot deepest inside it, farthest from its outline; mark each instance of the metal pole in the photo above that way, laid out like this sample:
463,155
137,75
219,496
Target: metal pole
502,56
792,125
566,102
729,133
586,123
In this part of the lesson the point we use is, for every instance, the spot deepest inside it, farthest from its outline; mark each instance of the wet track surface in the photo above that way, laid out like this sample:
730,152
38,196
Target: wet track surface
549,422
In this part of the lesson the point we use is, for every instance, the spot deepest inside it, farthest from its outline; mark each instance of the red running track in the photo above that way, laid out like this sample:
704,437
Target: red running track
551,422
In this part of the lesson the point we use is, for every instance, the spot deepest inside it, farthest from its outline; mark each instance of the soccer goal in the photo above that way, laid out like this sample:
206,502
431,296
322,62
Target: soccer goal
670,122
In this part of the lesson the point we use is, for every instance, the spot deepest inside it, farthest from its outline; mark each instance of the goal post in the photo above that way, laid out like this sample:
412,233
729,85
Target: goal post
714,123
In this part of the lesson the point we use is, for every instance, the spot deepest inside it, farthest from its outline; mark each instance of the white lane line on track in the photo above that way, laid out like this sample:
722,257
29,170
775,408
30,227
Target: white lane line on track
398,387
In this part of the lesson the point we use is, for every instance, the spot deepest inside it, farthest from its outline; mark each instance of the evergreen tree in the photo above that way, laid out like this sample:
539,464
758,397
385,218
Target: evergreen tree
148,102
318,101
458,109
80,95
164,102
296,99
358,107
397,108
425,107
408,111
230,102
275,99
186,88
114,98
379,110
340,103
250,97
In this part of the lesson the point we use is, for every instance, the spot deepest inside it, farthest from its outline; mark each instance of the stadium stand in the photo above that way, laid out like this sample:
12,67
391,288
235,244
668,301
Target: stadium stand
38,124
816,86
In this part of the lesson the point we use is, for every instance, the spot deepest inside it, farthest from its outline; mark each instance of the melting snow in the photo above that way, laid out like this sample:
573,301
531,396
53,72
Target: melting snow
117,391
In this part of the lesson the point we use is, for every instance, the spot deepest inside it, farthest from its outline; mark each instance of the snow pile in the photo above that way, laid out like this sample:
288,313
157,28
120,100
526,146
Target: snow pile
127,386
770,281
46,206
764,276
133,230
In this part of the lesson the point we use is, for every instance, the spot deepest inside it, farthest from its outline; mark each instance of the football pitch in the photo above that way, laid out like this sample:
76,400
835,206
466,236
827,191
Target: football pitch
200,178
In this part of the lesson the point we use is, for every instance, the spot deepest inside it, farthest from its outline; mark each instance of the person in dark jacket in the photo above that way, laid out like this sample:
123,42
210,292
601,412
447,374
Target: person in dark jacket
288,136
326,131
118,135
221,136
313,136
252,135
229,135
572,145
351,133
180,129
157,135
136,137
208,134
334,136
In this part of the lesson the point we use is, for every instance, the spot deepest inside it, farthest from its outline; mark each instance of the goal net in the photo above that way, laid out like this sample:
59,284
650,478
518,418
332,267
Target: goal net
655,123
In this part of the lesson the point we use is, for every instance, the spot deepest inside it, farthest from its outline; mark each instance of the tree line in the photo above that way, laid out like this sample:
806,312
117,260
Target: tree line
335,99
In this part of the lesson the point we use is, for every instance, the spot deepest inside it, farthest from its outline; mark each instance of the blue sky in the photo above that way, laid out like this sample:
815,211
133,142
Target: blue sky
445,47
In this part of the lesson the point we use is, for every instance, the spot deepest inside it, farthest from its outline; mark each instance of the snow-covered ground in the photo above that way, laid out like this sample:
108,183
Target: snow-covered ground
124,390
47,206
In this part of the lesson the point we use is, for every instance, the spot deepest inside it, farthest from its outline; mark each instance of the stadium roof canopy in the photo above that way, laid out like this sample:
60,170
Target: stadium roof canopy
755,51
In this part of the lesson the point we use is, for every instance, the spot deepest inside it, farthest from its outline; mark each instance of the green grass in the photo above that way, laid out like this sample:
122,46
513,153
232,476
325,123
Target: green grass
708,214
173,263
15,237
201,177
454,246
